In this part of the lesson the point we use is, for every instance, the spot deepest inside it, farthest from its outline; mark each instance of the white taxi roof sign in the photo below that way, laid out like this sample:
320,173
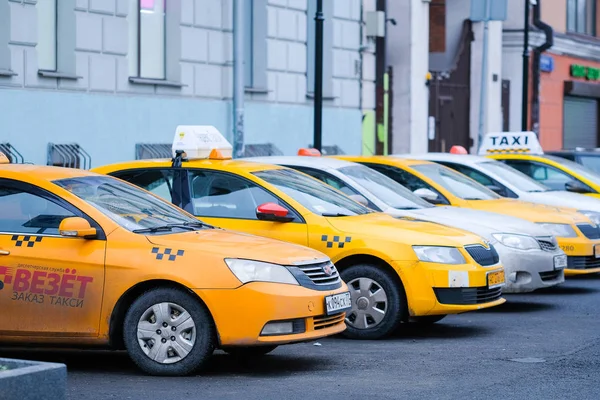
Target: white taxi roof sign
510,142
199,141
4,159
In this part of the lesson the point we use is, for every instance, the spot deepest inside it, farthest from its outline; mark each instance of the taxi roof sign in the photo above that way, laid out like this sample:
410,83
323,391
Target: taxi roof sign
200,142
4,159
510,142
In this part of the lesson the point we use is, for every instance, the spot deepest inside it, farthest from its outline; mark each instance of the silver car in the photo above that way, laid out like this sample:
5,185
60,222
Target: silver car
531,257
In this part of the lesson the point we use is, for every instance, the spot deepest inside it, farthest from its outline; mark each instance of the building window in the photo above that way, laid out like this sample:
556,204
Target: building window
581,16
255,45
154,41
47,40
327,48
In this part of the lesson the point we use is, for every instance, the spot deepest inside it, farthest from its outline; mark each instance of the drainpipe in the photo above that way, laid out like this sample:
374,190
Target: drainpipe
525,99
537,54
238,78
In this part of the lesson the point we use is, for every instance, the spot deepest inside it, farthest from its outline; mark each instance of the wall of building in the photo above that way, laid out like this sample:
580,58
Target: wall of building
107,114
456,12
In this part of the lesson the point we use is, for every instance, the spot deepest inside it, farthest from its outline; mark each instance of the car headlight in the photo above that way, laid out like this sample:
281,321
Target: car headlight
592,215
522,242
258,271
559,230
439,254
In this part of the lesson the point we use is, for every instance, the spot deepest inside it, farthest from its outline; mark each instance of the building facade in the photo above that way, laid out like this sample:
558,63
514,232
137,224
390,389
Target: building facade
103,81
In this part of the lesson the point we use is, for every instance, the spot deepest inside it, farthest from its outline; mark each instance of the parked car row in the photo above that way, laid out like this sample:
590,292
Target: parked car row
178,257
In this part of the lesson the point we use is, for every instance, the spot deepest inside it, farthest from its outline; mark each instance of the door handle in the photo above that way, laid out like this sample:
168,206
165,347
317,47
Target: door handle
4,252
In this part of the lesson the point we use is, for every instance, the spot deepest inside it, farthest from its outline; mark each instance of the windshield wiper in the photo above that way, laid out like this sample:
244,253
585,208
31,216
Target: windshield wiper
199,224
407,208
335,215
169,227
472,198
163,228
537,191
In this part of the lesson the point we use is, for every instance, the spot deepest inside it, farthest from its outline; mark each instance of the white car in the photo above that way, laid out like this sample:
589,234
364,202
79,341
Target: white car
510,182
531,257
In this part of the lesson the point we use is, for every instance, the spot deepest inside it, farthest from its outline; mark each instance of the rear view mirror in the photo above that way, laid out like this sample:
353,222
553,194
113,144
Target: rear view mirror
577,187
428,195
77,227
359,199
273,212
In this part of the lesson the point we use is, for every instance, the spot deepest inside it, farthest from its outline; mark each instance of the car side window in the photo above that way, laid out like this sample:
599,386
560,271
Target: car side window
222,195
22,212
157,181
549,176
481,178
407,179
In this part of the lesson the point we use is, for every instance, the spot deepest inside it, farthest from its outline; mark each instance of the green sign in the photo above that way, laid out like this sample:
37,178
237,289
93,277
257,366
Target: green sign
581,71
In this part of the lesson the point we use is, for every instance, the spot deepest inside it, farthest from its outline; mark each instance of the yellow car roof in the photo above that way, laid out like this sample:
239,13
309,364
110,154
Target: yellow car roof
41,172
226,165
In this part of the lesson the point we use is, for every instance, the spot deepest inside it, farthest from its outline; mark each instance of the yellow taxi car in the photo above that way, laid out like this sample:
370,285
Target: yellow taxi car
396,269
441,185
555,172
90,260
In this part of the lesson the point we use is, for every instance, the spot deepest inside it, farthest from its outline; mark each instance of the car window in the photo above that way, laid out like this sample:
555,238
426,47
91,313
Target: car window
514,176
591,162
317,197
576,168
551,177
222,195
406,179
471,173
456,183
26,213
387,190
157,181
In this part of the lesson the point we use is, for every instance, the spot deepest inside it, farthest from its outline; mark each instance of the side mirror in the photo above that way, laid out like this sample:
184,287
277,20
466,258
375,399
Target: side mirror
496,189
577,187
76,227
428,195
273,212
360,199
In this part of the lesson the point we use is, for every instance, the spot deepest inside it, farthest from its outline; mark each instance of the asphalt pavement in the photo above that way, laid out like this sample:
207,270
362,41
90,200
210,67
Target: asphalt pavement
543,345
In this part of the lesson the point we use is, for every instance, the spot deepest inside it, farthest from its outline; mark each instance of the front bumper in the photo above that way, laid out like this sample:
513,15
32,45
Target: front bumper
438,289
241,314
529,270
581,255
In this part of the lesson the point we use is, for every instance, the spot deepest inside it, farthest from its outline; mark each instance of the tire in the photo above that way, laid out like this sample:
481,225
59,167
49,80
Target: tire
188,349
427,319
365,321
249,352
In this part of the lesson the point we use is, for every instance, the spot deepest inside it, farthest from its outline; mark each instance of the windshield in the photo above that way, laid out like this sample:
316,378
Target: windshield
312,193
387,190
456,183
577,168
591,162
514,177
127,205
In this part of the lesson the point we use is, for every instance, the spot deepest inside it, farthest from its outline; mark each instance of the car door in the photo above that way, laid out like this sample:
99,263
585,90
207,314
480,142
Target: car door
230,201
50,285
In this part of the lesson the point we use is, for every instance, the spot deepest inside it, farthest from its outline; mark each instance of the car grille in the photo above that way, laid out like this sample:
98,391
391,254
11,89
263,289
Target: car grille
547,244
466,296
315,277
327,321
590,231
550,275
483,256
582,262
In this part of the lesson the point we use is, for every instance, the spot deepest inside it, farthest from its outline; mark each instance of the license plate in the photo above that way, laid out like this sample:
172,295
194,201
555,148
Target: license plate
495,279
560,262
338,302
597,251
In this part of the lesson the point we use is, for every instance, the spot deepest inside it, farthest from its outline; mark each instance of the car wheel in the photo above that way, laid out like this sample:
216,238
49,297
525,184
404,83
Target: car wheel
249,352
427,319
378,302
168,332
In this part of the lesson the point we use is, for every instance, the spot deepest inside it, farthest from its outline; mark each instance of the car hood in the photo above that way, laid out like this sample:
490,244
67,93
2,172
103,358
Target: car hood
238,245
482,223
534,212
561,198
409,231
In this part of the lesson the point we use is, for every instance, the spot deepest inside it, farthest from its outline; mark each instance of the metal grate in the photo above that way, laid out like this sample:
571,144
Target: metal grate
550,275
261,150
331,150
582,262
69,156
547,244
481,255
325,321
11,153
318,275
464,296
590,231
145,151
